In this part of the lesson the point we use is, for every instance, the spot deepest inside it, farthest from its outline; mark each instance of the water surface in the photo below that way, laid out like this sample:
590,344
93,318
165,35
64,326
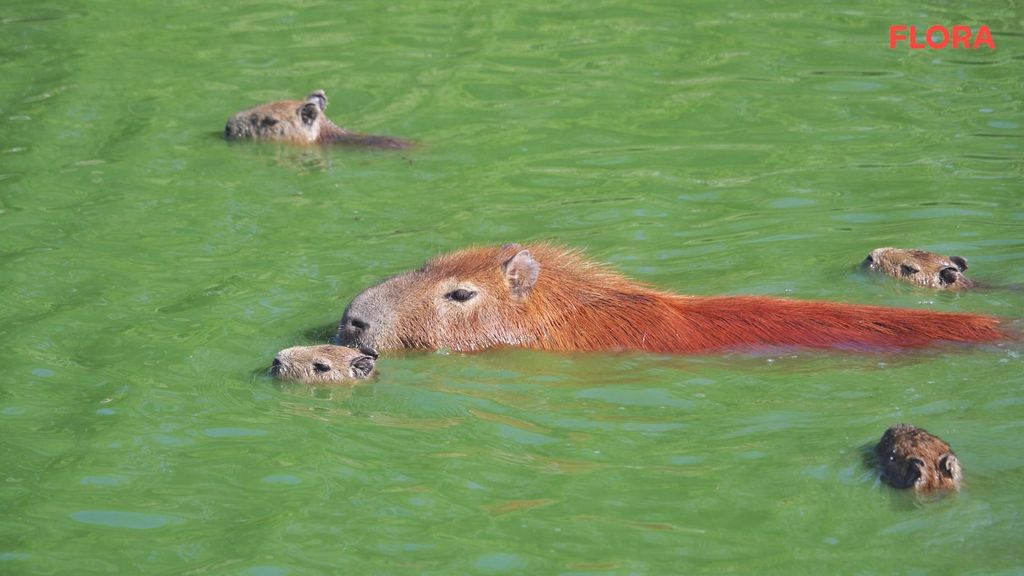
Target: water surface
150,271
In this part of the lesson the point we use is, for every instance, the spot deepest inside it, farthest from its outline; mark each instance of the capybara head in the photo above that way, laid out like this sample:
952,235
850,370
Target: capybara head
466,300
286,120
920,267
910,457
324,363
479,298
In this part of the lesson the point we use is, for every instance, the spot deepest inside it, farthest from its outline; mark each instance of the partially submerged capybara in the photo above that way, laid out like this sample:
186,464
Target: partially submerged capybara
910,457
324,363
300,122
551,298
919,267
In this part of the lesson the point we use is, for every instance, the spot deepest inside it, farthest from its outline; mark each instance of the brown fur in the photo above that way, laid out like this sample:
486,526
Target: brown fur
300,122
919,267
910,457
551,298
325,363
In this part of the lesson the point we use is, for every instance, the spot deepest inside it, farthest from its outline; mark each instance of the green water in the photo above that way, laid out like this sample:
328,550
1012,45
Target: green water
149,271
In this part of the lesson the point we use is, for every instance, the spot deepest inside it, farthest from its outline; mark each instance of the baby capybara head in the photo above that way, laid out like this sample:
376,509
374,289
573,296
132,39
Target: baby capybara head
910,457
920,267
286,120
324,363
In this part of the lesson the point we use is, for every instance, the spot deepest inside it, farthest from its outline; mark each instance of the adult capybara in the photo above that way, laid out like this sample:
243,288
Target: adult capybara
910,457
300,122
920,267
551,298
324,363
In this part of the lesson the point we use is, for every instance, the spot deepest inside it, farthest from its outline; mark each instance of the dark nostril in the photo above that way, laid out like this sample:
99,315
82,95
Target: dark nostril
277,363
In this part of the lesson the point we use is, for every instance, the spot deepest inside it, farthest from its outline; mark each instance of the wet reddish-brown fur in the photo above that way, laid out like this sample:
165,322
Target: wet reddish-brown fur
576,304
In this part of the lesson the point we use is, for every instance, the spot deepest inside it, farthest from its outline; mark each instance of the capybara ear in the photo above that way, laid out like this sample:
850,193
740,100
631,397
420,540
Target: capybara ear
960,262
521,271
949,466
309,111
319,98
361,366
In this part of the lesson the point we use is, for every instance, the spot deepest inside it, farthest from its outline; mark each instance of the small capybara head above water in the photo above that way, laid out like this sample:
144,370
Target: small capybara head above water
920,267
910,457
322,364
551,298
300,122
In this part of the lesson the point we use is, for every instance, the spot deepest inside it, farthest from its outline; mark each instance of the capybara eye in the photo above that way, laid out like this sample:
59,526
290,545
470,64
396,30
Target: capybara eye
460,295
321,367
908,270
916,462
268,122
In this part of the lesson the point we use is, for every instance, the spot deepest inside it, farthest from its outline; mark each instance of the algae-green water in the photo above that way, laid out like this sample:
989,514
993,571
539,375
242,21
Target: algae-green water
149,271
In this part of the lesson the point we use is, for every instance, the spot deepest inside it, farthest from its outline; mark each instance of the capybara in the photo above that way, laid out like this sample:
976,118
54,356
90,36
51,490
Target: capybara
323,363
551,298
910,457
920,267
300,122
